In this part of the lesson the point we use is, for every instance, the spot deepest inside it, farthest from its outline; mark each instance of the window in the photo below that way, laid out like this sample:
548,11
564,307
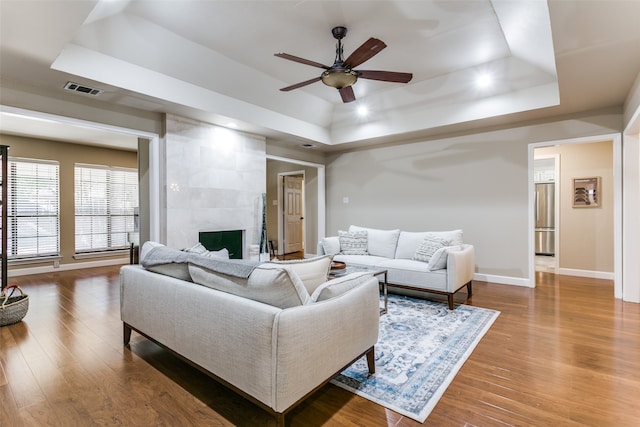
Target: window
33,212
106,201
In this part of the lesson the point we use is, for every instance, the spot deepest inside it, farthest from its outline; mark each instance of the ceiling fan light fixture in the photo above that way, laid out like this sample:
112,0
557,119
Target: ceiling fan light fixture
339,78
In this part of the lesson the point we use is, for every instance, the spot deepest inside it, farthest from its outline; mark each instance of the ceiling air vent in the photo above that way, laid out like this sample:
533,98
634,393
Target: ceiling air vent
75,87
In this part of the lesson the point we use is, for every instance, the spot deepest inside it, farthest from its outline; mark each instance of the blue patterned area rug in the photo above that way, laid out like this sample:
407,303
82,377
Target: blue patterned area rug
421,346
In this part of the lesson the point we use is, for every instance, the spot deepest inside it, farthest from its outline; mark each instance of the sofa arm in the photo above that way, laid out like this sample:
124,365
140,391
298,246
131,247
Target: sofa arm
317,340
460,266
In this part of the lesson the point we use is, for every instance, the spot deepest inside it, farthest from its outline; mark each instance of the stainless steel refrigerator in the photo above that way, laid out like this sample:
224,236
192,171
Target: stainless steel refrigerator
545,218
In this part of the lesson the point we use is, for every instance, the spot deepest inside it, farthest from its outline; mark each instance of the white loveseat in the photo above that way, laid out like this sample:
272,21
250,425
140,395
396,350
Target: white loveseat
275,344
444,267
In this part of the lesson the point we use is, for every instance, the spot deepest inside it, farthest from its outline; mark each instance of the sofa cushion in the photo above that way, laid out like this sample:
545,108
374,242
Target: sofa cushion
414,273
367,260
428,247
269,283
379,242
408,241
338,286
312,271
162,259
331,245
353,243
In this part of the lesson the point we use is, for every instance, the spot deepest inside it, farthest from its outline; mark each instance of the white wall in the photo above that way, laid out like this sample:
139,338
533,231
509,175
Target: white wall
477,182
213,180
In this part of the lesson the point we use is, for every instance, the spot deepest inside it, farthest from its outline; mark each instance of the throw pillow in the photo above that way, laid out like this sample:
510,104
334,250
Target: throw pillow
438,260
312,271
199,249
222,254
353,243
428,247
331,245
338,286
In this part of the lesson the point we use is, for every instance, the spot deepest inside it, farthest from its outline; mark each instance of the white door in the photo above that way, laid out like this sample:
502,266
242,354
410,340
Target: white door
293,214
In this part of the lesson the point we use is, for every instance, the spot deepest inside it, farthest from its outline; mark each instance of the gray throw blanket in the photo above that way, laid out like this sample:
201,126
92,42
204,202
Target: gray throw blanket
232,267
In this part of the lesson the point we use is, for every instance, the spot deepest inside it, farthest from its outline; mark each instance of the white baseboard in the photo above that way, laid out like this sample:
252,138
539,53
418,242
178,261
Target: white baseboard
586,273
66,267
503,280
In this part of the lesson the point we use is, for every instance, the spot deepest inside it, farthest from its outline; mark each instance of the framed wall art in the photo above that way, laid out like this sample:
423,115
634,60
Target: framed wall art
586,192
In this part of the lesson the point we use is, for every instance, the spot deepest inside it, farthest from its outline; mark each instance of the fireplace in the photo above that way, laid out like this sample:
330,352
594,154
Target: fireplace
230,239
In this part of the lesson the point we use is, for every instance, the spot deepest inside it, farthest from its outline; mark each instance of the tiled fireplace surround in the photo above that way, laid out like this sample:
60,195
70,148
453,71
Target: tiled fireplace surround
214,179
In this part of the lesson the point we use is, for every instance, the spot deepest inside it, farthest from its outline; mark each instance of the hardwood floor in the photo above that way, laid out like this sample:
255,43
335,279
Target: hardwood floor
564,354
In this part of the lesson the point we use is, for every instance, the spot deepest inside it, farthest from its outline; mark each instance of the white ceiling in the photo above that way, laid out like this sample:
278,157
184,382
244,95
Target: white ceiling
213,60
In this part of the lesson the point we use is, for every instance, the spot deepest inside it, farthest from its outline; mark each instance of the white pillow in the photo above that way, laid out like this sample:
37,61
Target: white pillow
338,286
380,242
199,249
353,243
222,254
312,271
331,245
428,247
453,236
438,260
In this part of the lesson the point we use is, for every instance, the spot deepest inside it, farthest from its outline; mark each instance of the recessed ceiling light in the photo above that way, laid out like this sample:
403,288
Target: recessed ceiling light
363,111
484,80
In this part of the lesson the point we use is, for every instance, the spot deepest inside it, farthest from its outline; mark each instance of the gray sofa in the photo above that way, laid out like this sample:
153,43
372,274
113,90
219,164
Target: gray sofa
274,349
445,266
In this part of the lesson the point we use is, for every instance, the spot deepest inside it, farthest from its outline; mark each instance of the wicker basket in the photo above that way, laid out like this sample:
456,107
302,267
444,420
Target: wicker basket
12,309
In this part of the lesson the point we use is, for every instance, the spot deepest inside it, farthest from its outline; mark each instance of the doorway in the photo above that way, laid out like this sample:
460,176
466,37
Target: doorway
588,239
291,202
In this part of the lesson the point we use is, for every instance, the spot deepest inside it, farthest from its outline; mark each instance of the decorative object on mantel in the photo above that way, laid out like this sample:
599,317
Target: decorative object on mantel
586,192
420,349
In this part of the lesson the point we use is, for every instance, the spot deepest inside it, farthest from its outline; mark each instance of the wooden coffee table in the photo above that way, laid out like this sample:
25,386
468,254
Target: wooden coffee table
376,271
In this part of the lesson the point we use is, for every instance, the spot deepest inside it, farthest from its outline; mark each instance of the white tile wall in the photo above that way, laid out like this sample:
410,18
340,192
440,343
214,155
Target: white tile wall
214,180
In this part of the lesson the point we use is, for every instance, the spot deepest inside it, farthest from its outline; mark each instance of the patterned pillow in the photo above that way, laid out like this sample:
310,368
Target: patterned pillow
354,243
428,247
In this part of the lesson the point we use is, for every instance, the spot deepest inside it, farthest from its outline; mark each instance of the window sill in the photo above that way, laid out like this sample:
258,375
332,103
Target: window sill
104,254
34,260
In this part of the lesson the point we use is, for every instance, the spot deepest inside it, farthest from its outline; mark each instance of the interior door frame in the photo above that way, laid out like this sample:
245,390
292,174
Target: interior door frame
321,214
616,139
281,200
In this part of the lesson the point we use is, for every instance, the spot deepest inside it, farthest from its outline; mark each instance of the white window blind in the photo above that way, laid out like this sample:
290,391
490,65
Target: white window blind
33,212
105,202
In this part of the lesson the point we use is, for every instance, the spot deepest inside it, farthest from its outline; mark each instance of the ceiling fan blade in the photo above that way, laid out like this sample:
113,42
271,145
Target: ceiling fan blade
347,94
386,76
301,60
297,85
366,51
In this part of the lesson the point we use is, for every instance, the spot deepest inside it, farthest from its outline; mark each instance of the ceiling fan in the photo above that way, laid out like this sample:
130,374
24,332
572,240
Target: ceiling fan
341,75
